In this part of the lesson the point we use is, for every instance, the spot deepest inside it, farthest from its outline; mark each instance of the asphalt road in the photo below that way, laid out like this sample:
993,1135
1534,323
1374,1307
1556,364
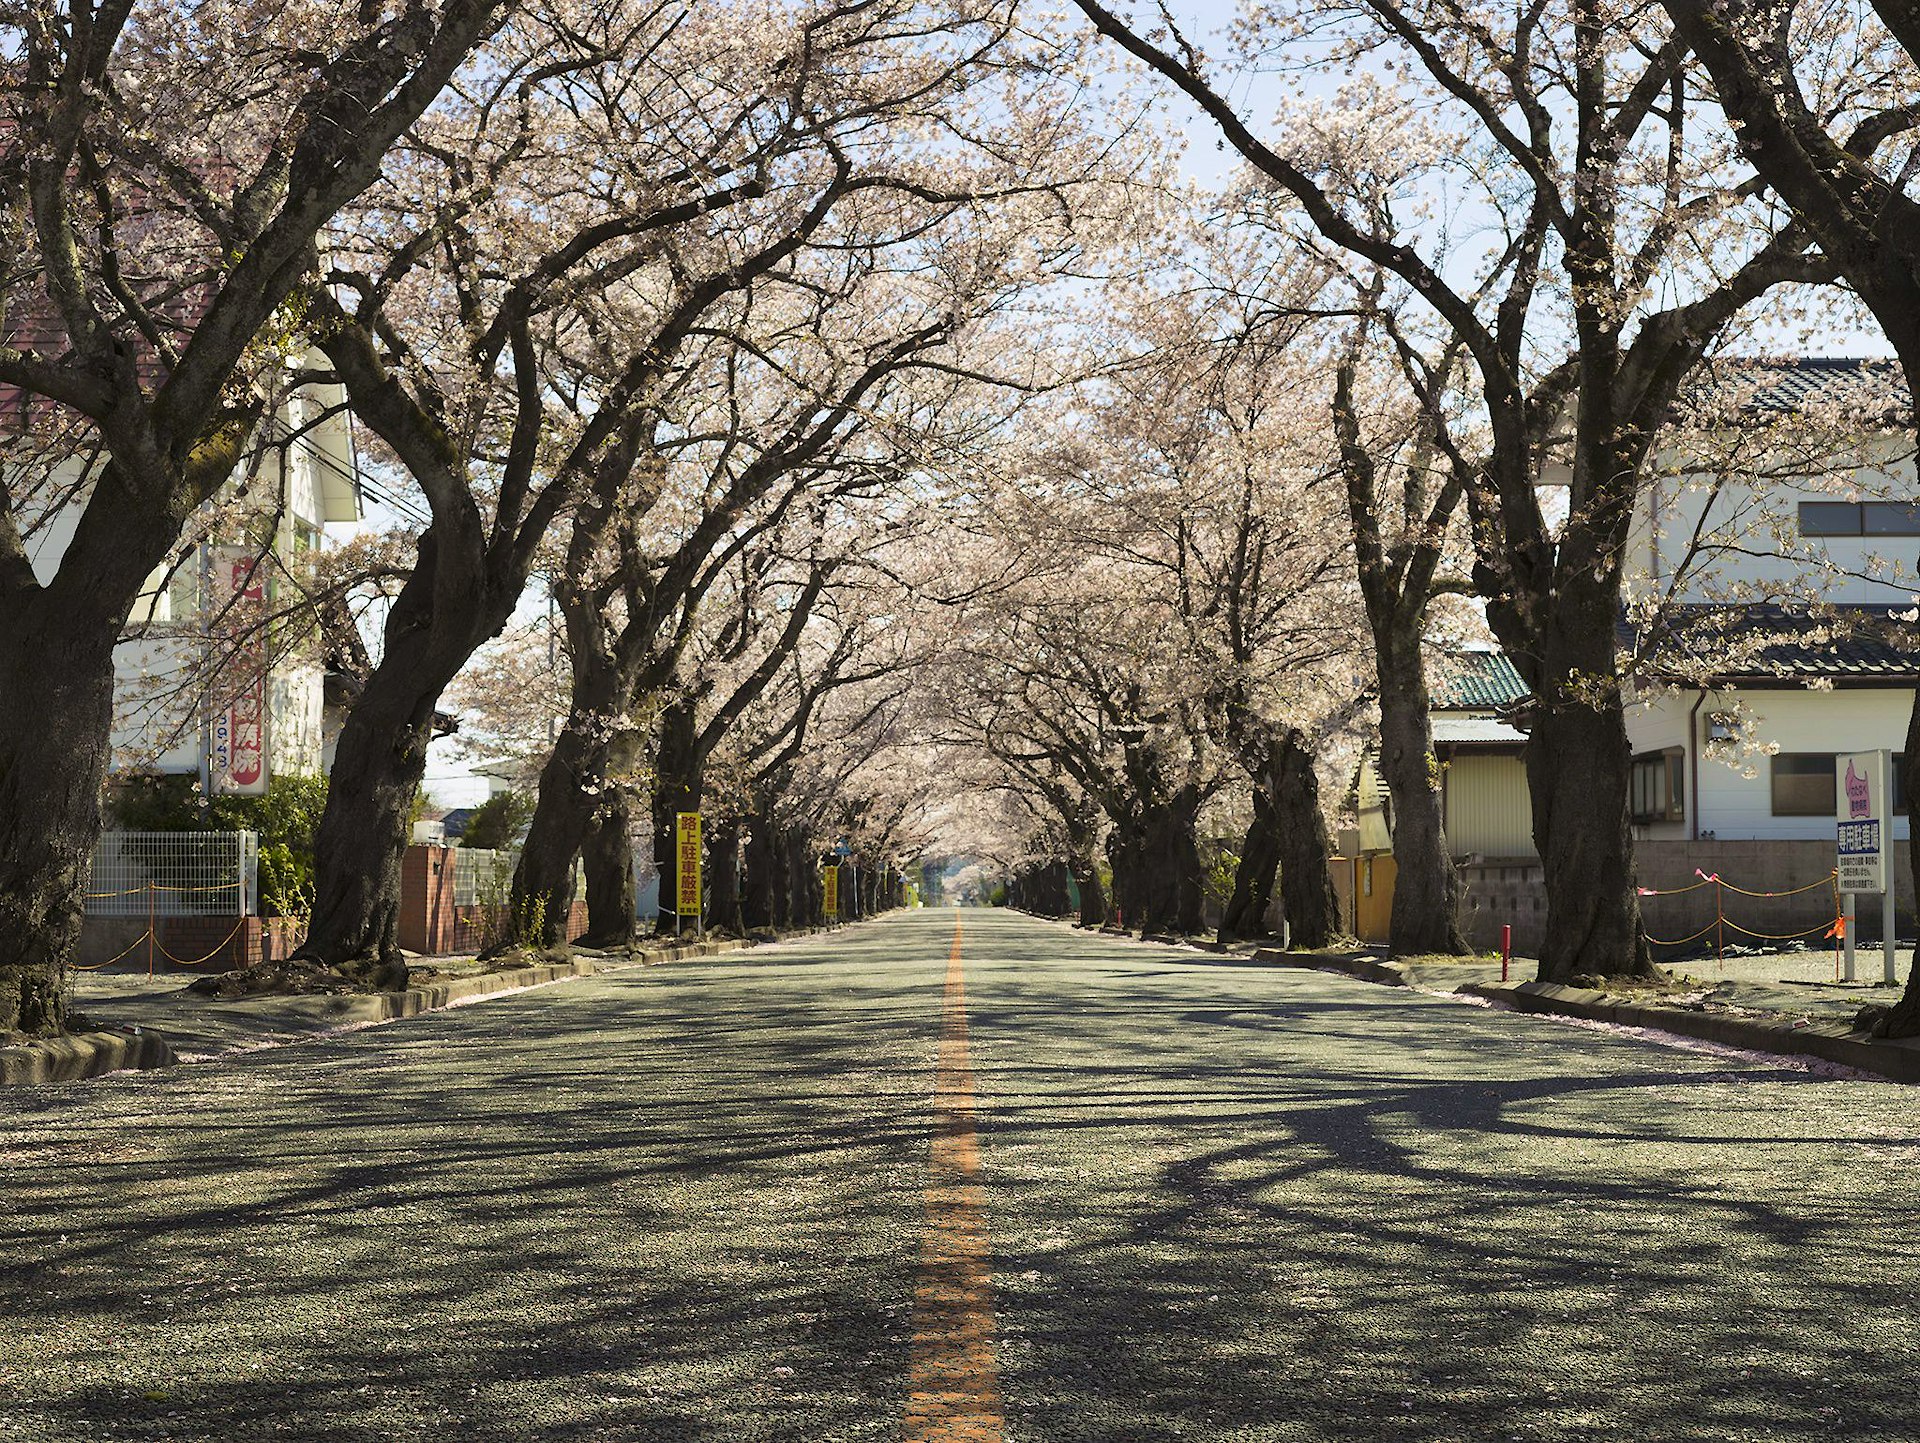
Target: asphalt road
1221,1202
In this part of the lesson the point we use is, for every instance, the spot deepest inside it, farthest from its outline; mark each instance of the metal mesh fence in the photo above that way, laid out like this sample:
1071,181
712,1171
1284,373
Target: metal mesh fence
481,876
174,874
484,878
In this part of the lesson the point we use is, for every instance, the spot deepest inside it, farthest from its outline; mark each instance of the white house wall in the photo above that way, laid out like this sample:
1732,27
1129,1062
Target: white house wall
155,729
295,745
1763,517
153,724
1734,807
148,716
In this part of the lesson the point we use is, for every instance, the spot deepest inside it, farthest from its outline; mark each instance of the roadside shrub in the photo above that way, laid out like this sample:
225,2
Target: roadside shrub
496,822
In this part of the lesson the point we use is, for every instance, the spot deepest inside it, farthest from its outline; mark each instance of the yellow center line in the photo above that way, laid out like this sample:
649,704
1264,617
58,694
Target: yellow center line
953,1383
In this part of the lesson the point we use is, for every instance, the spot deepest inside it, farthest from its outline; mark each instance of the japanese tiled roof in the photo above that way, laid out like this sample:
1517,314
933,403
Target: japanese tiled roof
1475,681
1769,642
1871,391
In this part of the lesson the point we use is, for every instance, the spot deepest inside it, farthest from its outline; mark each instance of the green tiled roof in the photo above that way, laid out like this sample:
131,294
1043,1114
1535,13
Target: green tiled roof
1474,681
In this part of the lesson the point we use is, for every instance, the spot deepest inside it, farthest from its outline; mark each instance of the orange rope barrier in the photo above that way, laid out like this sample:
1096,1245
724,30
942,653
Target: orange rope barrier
96,966
1782,936
196,961
1721,920
1677,891
1828,880
1661,942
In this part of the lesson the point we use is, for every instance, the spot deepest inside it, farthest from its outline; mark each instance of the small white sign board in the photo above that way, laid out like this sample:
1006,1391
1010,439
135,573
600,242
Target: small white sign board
1863,809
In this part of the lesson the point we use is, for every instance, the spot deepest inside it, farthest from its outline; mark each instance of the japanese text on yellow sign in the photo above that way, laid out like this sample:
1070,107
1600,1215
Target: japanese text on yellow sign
830,898
687,869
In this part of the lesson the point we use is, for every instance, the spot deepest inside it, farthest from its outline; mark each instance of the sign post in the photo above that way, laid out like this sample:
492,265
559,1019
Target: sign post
1863,810
687,869
830,893
236,744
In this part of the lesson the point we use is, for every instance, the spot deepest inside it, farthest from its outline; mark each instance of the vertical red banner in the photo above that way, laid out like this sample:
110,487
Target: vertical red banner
237,740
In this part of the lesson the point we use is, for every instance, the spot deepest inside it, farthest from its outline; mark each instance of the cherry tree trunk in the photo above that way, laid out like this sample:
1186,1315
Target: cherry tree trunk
56,723
1126,847
760,864
1578,764
607,857
1903,1020
1093,898
1426,888
723,873
378,765
379,762
1059,896
1169,877
563,815
575,797
1246,911
1306,874
803,882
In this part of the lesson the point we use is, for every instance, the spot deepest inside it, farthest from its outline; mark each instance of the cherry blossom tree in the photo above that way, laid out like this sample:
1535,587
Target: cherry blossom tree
600,189
1623,243
1823,103
169,174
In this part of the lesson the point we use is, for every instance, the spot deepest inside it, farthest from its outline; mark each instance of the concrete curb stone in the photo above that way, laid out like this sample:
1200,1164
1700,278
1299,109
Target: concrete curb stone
86,1054
1897,1061
94,1054
1367,969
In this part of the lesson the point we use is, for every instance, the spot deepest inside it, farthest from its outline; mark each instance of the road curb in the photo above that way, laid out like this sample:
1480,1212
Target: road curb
434,996
1897,1061
1367,969
94,1054
84,1055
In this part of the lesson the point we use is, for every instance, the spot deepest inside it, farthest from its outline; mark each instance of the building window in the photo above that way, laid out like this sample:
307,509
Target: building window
1829,518
1861,518
1657,788
1890,518
1804,785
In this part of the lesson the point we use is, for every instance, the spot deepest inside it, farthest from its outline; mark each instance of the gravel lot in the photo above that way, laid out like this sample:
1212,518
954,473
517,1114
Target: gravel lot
1226,1202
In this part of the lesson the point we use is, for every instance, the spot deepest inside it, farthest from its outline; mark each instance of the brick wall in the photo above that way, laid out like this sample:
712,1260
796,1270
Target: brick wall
431,923
209,944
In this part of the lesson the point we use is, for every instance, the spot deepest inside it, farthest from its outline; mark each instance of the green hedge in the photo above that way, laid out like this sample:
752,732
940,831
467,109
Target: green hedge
285,819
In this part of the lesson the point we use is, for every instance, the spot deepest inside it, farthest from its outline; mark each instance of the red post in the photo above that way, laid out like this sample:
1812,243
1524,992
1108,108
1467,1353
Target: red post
1719,922
149,931
1506,949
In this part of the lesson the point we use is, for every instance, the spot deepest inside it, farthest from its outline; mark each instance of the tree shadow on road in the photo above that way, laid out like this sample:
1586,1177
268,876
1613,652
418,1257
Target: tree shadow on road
681,1204
1228,1206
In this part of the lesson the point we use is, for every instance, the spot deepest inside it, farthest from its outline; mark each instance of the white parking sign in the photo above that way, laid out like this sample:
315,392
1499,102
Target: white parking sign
1863,789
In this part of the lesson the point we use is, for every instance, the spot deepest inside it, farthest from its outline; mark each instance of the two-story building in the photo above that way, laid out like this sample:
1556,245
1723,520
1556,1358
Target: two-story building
209,680
1773,610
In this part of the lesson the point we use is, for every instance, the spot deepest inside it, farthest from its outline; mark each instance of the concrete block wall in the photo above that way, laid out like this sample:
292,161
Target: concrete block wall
1504,891
1514,891
105,938
1797,867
